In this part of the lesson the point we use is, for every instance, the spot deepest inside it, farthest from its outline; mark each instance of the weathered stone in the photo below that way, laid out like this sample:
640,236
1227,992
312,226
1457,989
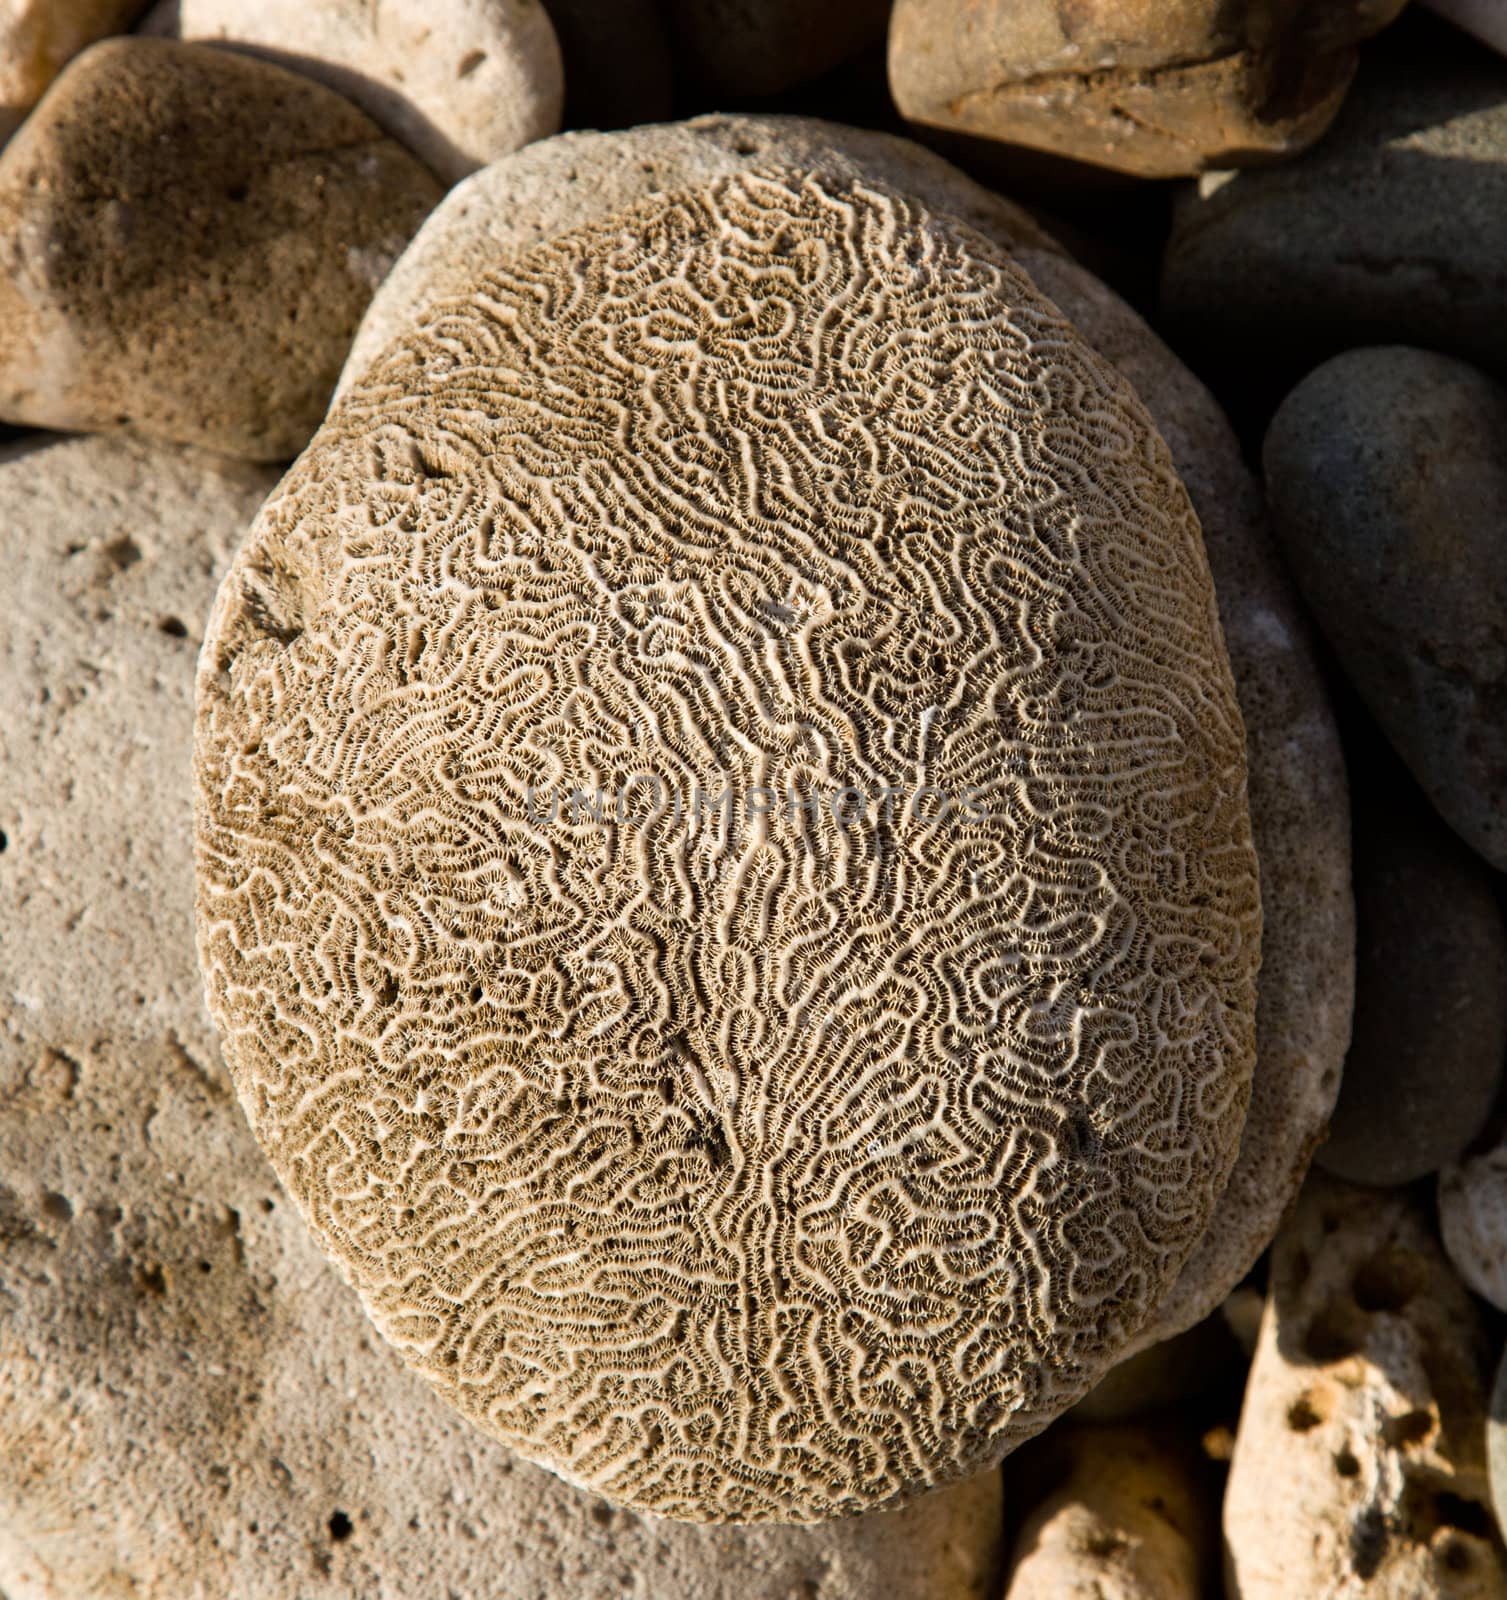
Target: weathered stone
1388,492
187,240
457,82
38,38
580,395
1359,1464
1393,227
1151,89
191,1401
1129,1518
1299,807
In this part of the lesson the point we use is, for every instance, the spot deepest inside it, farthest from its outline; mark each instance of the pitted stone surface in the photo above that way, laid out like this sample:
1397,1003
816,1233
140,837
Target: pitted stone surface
744,1165
1300,810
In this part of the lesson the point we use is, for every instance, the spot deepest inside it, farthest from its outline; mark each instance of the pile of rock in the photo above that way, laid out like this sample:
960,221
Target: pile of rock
774,1172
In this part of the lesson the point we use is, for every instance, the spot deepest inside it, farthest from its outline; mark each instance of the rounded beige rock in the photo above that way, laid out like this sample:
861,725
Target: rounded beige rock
821,1118
1298,798
191,1401
188,239
1135,86
1360,1460
1128,1518
457,82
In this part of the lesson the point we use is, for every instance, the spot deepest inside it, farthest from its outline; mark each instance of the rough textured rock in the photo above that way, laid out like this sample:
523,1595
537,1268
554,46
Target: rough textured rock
1156,90
1393,227
1128,1519
1359,1464
457,82
901,1138
1430,1032
1473,1222
191,1402
1299,806
561,183
617,62
1388,492
38,37
187,241
728,49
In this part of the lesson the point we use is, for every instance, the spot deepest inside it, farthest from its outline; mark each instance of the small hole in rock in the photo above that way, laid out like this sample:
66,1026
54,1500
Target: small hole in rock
204,1266
151,1280
1369,1538
1456,1556
470,62
341,1527
237,192
57,1206
123,552
4,841
1346,1465
173,627
1301,1415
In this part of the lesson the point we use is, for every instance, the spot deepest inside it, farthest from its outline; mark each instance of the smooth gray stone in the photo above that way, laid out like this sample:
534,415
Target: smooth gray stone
1388,490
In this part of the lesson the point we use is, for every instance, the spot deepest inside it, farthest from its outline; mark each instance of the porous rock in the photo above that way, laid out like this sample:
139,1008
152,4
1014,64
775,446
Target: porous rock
38,37
191,1401
188,239
1388,493
1359,1463
606,1120
457,82
1473,1221
734,48
1156,90
1392,228
1299,805
1128,1518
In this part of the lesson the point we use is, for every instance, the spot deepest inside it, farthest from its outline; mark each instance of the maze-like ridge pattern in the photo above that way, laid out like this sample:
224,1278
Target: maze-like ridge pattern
740,1157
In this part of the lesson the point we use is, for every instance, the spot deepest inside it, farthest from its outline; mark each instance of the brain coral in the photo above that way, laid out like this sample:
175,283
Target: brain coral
724,868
